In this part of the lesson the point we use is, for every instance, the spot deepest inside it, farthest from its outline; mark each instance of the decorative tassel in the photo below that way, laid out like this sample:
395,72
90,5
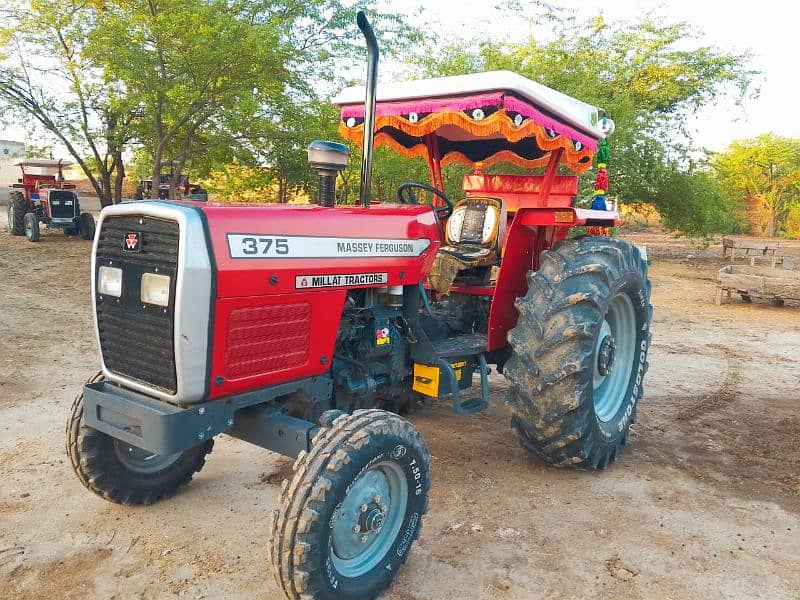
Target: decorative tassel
600,185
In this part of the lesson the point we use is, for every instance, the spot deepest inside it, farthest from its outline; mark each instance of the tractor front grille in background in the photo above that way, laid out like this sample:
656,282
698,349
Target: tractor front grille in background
136,339
62,205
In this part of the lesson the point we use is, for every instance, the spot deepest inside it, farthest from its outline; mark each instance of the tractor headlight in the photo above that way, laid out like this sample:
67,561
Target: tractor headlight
155,289
109,281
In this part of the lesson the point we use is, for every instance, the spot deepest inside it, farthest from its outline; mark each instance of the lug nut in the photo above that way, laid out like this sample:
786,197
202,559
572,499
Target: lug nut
364,539
363,508
356,528
376,499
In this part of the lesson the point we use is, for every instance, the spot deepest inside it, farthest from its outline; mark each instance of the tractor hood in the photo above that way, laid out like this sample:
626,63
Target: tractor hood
272,249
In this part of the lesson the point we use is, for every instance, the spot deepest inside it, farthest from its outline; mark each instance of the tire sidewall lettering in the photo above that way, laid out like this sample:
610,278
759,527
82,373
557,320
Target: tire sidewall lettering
632,284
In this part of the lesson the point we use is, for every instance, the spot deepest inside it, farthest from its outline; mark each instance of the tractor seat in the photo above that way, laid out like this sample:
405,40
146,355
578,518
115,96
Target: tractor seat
473,237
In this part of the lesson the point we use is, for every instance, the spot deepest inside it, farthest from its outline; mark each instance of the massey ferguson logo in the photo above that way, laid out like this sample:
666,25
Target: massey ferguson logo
132,242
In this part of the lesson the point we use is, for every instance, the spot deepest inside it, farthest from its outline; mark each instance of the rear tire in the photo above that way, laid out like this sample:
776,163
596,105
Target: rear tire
32,227
579,351
16,212
122,473
86,226
371,471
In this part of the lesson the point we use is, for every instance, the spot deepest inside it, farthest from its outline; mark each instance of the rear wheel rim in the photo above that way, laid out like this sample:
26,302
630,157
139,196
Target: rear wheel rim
613,356
141,461
367,522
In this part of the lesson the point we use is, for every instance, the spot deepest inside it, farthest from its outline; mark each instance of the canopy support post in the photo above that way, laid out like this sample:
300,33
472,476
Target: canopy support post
434,160
550,175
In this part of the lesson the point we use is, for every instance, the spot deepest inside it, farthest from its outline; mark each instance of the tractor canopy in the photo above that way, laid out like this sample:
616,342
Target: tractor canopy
42,166
478,120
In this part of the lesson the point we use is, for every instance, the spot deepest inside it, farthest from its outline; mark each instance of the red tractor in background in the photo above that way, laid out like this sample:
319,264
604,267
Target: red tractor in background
183,189
44,197
306,329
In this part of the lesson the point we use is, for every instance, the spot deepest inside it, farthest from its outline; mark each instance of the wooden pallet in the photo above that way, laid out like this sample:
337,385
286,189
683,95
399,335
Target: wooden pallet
751,282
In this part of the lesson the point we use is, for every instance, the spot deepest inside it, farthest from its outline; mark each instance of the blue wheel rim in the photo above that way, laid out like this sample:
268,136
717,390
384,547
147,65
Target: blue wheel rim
614,352
365,525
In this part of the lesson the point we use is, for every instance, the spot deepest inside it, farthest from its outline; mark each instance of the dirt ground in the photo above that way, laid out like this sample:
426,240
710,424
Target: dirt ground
704,503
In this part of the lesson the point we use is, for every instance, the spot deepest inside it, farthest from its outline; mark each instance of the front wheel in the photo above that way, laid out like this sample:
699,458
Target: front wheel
86,226
125,474
579,351
352,510
32,227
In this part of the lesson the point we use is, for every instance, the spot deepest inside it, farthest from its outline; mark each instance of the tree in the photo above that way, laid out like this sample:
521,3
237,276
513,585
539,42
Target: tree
200,71
223,81
696,204
765,169
195,83
647,75
47,75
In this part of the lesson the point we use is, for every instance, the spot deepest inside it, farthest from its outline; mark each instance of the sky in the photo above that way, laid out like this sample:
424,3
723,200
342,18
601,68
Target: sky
766,28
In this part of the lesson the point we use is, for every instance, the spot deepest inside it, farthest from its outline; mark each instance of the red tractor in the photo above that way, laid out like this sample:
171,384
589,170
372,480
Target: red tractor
183,189
306,329
44,197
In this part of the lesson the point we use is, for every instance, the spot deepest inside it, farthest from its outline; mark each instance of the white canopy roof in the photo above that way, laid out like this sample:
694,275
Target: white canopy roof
574,112
42,162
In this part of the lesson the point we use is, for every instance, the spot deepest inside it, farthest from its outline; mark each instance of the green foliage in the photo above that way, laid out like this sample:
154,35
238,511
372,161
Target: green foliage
186,84
766,171
648,75
695,204
238,88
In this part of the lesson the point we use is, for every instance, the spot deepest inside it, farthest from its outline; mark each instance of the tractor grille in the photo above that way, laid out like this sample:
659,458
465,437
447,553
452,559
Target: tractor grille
136,339
62,205
264,339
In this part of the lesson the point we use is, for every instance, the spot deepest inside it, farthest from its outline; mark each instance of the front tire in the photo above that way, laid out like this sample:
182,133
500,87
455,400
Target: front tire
579,351
352,510
122,473
31,227
16,213
86,226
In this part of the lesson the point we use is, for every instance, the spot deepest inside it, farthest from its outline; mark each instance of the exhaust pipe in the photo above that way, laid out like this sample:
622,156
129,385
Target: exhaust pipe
369,106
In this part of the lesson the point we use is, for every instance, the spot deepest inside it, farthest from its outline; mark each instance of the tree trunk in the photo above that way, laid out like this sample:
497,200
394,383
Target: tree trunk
772,225
157,156
105,185
282,190
119,176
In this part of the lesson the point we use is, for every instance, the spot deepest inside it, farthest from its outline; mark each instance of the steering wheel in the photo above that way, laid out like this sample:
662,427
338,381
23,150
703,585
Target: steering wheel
406,195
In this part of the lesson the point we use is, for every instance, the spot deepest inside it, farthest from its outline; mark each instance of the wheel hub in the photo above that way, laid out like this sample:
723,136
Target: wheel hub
373,519
606,355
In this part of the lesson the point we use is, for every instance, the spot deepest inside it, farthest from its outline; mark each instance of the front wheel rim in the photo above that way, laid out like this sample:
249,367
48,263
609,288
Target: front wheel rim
366,523
615,348
141,461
